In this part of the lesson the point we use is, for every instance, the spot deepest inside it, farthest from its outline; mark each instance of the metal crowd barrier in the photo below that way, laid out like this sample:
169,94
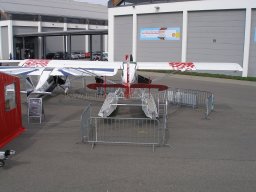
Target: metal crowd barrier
191,98
142,131
85,122
209,105
139,131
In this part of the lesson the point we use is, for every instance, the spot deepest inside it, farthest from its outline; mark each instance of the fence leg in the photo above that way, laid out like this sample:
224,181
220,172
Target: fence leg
207,108
93,144
205,116
212,102
84,139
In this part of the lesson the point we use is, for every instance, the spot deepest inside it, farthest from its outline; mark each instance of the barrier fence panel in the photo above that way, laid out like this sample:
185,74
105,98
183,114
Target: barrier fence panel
85,122
209,105
191,98
142,131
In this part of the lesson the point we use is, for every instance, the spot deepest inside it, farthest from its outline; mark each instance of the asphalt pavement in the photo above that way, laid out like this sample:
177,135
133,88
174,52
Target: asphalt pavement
217,154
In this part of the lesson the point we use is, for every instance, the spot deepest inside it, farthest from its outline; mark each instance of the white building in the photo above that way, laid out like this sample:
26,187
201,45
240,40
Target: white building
203,31
32,16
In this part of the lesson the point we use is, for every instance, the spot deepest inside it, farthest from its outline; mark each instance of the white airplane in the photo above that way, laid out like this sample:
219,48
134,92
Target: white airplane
55,72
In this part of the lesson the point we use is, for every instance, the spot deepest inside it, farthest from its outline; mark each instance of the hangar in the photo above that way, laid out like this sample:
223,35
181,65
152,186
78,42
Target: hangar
178,30
38,16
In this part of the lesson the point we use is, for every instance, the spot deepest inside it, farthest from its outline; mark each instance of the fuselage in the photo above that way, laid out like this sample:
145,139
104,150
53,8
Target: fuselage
129,73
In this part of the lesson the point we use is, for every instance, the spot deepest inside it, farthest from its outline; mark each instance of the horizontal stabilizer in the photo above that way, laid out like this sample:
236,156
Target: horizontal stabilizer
98,85
149,86
135,86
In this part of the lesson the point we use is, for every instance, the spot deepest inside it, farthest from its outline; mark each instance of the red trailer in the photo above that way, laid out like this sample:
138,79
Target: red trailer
10,109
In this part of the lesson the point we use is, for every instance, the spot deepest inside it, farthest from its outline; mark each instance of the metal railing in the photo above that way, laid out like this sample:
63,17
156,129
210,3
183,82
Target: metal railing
142,131
85,122
191,98
209,102
138,131
174,96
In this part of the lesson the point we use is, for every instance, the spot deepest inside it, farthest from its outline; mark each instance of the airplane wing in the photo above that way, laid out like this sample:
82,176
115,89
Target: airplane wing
189,66
83,68
17,70
62,67
103,68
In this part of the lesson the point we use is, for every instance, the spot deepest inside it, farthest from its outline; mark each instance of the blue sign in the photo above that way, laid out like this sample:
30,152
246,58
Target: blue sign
162,33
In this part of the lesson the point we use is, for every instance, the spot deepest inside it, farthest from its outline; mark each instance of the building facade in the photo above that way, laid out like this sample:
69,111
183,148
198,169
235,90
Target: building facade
28,16
167,30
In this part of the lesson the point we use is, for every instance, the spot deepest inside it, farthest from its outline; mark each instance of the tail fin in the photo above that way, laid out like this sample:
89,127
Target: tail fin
128,58
131,58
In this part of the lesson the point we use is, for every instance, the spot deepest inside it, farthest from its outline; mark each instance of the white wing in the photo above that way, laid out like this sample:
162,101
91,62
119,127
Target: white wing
63,67
104,68
184,66
16,70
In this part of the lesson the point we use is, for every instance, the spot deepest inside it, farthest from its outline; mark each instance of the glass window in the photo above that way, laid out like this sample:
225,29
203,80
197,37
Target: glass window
76,20
52,19
97,22
10,97
24,17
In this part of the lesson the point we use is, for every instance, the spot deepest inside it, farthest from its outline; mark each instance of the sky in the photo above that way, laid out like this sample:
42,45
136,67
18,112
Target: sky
103,2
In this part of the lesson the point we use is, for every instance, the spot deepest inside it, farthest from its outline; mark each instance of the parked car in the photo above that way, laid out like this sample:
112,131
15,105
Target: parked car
50,55
74,55
99,56
104,56
96,56
59,55
67,56
87,54
81,55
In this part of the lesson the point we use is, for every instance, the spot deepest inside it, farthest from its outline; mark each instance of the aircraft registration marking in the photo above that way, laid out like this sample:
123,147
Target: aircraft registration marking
182,66
36,63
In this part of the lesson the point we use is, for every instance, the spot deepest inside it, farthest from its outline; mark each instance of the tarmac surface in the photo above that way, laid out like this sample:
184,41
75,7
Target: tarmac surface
217,154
